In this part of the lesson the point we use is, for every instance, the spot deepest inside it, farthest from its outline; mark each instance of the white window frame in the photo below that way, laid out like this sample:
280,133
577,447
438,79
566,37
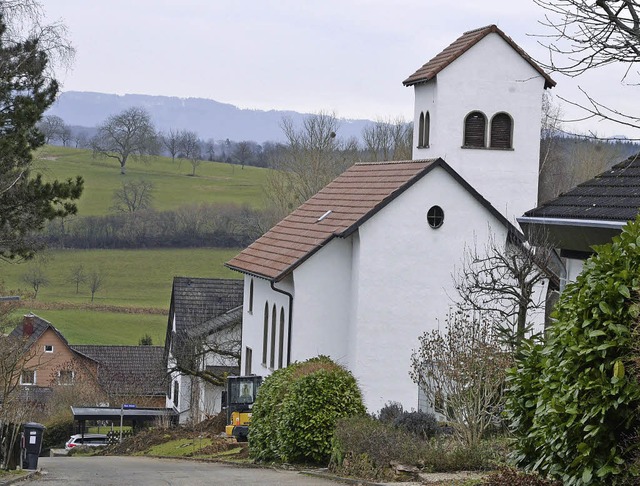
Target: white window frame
48,346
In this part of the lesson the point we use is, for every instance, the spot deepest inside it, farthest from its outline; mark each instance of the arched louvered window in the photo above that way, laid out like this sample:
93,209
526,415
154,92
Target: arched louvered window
265,333
281,339
421,131
425,130
501,131
474,130
272,357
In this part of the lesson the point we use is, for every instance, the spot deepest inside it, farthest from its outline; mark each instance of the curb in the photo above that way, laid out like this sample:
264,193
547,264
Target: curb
21,477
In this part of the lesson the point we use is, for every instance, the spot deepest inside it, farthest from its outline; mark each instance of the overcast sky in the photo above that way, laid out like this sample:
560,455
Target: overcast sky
347,56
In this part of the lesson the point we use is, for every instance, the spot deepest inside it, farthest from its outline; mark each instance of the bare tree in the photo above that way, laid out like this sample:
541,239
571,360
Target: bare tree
190,149
504,282
36,278
171,141
96,280
313,156
388,140
80,139
52,127
77,276
589,35
65,135
242,152
462,373
127,134
133,196
14,355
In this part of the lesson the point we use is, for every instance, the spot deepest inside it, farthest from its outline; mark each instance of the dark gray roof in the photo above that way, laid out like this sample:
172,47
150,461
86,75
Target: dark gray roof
197,300
139,370
613,195
31,328
223,321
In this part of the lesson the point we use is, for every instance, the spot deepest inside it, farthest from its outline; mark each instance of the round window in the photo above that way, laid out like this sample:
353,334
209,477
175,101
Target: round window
435,217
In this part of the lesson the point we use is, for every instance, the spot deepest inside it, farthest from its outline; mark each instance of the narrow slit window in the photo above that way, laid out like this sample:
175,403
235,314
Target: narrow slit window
272,357
265,334
281,339
421,131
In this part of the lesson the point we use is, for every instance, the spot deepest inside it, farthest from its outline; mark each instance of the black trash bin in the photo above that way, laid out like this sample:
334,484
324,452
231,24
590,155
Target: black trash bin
32,443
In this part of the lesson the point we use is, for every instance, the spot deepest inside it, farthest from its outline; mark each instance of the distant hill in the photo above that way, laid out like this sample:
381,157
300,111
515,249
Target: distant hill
208,118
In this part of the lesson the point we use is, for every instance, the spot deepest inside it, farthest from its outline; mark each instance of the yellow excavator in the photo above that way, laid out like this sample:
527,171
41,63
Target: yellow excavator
241,393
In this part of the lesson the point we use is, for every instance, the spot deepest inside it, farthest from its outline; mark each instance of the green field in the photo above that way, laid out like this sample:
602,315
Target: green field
135,280
173,185
135,297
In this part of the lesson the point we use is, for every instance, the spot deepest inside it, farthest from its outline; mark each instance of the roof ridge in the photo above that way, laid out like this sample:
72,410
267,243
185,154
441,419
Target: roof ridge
390,162
472,31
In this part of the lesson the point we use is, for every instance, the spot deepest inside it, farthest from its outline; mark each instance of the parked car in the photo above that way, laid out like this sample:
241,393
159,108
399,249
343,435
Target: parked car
90,440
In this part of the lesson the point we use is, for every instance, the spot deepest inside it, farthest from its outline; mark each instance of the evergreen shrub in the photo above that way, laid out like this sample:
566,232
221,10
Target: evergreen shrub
295,413
573,402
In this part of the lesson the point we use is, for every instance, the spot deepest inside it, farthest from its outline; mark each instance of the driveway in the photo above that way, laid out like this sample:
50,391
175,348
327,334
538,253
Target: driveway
146,471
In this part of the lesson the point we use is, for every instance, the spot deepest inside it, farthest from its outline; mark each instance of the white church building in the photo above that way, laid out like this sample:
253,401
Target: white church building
364,267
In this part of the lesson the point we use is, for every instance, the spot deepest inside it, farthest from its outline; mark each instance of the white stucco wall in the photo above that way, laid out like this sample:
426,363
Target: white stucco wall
405,281
491,77
573,268
253,323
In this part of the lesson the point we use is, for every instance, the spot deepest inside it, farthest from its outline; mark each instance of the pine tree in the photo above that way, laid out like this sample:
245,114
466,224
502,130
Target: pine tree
26,200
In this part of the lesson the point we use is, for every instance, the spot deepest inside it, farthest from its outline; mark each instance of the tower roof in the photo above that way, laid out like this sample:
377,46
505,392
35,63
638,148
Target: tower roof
461,45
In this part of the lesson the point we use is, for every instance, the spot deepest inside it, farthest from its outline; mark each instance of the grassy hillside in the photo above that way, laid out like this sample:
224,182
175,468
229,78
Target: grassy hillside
172,181
138,283
136,294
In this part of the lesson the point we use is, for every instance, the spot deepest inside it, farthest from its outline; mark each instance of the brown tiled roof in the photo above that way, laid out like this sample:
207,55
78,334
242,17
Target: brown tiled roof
462,45
336,211
613,195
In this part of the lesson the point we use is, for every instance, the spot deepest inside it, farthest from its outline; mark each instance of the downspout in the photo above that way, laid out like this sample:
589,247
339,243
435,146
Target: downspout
280,291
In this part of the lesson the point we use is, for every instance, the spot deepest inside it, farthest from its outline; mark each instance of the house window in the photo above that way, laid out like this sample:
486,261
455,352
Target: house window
251,297
421,131
501,131
435,217
28,377
281,338
474,130
48,348
176,393
272,357
248,358
265,333
65,377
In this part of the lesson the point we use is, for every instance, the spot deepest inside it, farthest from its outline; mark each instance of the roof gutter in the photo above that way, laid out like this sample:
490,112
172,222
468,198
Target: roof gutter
280,291
587,223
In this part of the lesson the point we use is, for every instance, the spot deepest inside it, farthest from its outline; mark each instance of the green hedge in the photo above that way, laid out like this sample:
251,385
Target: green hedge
571,403
296,410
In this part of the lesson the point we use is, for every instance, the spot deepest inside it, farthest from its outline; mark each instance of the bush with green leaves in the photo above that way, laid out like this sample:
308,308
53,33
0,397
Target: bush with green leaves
571,403
390,412
296,410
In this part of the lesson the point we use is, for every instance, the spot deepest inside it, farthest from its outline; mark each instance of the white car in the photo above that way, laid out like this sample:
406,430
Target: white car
90,440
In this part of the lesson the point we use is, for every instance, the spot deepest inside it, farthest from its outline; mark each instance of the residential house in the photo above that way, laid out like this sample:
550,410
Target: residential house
590,214
202,343
364,267
50,360
117,374
129,374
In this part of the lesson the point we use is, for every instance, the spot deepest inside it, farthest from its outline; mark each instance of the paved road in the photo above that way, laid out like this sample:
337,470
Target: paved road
146,471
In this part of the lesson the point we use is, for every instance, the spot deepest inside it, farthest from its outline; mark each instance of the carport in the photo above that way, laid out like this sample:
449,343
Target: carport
129,415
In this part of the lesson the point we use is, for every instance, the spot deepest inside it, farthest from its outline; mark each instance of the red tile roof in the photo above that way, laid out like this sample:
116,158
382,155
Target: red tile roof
462,45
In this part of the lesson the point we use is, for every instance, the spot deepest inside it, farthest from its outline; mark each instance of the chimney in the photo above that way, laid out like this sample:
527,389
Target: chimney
27,324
